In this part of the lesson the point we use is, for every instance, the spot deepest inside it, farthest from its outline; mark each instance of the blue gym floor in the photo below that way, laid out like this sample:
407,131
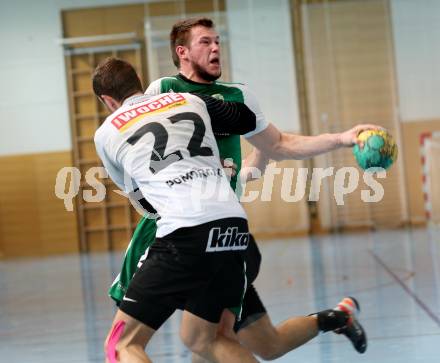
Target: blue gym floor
55,310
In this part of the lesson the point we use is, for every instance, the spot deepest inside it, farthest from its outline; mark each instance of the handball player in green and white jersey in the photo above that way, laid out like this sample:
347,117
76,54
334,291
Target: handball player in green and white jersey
195,49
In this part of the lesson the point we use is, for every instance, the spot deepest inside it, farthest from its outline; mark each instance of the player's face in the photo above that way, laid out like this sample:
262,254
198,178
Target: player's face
204,53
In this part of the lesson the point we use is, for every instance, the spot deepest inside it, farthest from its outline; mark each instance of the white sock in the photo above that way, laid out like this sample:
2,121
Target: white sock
347,305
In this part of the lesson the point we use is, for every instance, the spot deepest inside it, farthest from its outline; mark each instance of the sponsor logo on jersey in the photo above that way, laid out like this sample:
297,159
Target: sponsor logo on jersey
125,119
229,240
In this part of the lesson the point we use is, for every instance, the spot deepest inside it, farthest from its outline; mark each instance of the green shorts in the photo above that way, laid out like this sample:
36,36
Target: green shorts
143,237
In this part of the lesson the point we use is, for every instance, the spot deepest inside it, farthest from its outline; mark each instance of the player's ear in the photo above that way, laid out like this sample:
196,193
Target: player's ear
181,51
110,102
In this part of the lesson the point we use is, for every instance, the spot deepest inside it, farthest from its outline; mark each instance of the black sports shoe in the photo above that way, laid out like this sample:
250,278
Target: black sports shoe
354,330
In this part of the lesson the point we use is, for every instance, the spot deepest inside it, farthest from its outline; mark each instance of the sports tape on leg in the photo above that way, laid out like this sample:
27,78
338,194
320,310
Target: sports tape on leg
115,335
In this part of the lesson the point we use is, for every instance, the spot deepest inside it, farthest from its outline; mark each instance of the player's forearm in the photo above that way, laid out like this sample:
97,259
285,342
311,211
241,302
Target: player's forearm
290,146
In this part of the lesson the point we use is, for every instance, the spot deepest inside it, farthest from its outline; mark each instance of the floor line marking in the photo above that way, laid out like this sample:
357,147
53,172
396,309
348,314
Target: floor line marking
406,288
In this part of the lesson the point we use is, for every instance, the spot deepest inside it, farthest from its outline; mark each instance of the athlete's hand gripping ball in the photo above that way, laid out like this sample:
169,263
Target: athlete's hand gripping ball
375,148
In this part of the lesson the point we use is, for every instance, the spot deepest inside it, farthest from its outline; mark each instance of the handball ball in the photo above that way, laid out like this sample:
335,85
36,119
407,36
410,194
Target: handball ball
379,150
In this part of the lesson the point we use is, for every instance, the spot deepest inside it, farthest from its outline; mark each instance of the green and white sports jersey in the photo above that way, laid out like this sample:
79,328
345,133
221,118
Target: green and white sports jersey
229,148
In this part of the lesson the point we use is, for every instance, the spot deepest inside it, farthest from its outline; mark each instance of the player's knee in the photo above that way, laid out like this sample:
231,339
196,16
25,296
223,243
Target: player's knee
198,344
122,352
268,348
269,351
113,345
193,344
125,353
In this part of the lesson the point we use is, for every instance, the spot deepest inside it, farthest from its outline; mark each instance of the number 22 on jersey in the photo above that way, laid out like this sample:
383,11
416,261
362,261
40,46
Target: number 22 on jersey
159,160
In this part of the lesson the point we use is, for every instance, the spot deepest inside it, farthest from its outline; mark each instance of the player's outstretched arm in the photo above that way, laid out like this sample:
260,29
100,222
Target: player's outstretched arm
279,145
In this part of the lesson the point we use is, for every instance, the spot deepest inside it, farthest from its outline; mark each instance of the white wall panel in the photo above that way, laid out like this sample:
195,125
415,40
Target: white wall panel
33,97
262,57
416,28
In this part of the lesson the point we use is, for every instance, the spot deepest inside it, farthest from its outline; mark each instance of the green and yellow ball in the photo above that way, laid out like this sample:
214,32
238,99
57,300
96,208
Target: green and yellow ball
379,149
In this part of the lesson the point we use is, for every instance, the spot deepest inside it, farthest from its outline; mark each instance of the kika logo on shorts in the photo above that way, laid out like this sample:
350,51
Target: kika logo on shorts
230,240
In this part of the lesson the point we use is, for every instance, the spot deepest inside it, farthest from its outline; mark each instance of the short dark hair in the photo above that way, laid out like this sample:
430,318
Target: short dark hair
116,78
180,34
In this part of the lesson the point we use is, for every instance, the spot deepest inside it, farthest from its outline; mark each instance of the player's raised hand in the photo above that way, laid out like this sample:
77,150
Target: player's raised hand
350,137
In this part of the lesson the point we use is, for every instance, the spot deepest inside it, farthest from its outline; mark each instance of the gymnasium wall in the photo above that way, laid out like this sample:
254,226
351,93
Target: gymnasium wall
416,26
32,73
349,65
32,221
35,139
416,30
35,128
35,68
32,70
263,58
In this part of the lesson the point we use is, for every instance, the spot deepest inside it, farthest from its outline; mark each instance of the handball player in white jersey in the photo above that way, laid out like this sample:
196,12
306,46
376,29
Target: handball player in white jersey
165,146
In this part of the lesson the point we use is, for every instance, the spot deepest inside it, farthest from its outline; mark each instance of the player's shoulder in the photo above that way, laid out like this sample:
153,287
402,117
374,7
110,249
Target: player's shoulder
158,82
102,131
161,85
100,135
115,120
164,79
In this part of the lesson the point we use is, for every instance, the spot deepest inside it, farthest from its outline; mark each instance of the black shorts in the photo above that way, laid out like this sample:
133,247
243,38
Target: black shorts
253,260
252,308
199,269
